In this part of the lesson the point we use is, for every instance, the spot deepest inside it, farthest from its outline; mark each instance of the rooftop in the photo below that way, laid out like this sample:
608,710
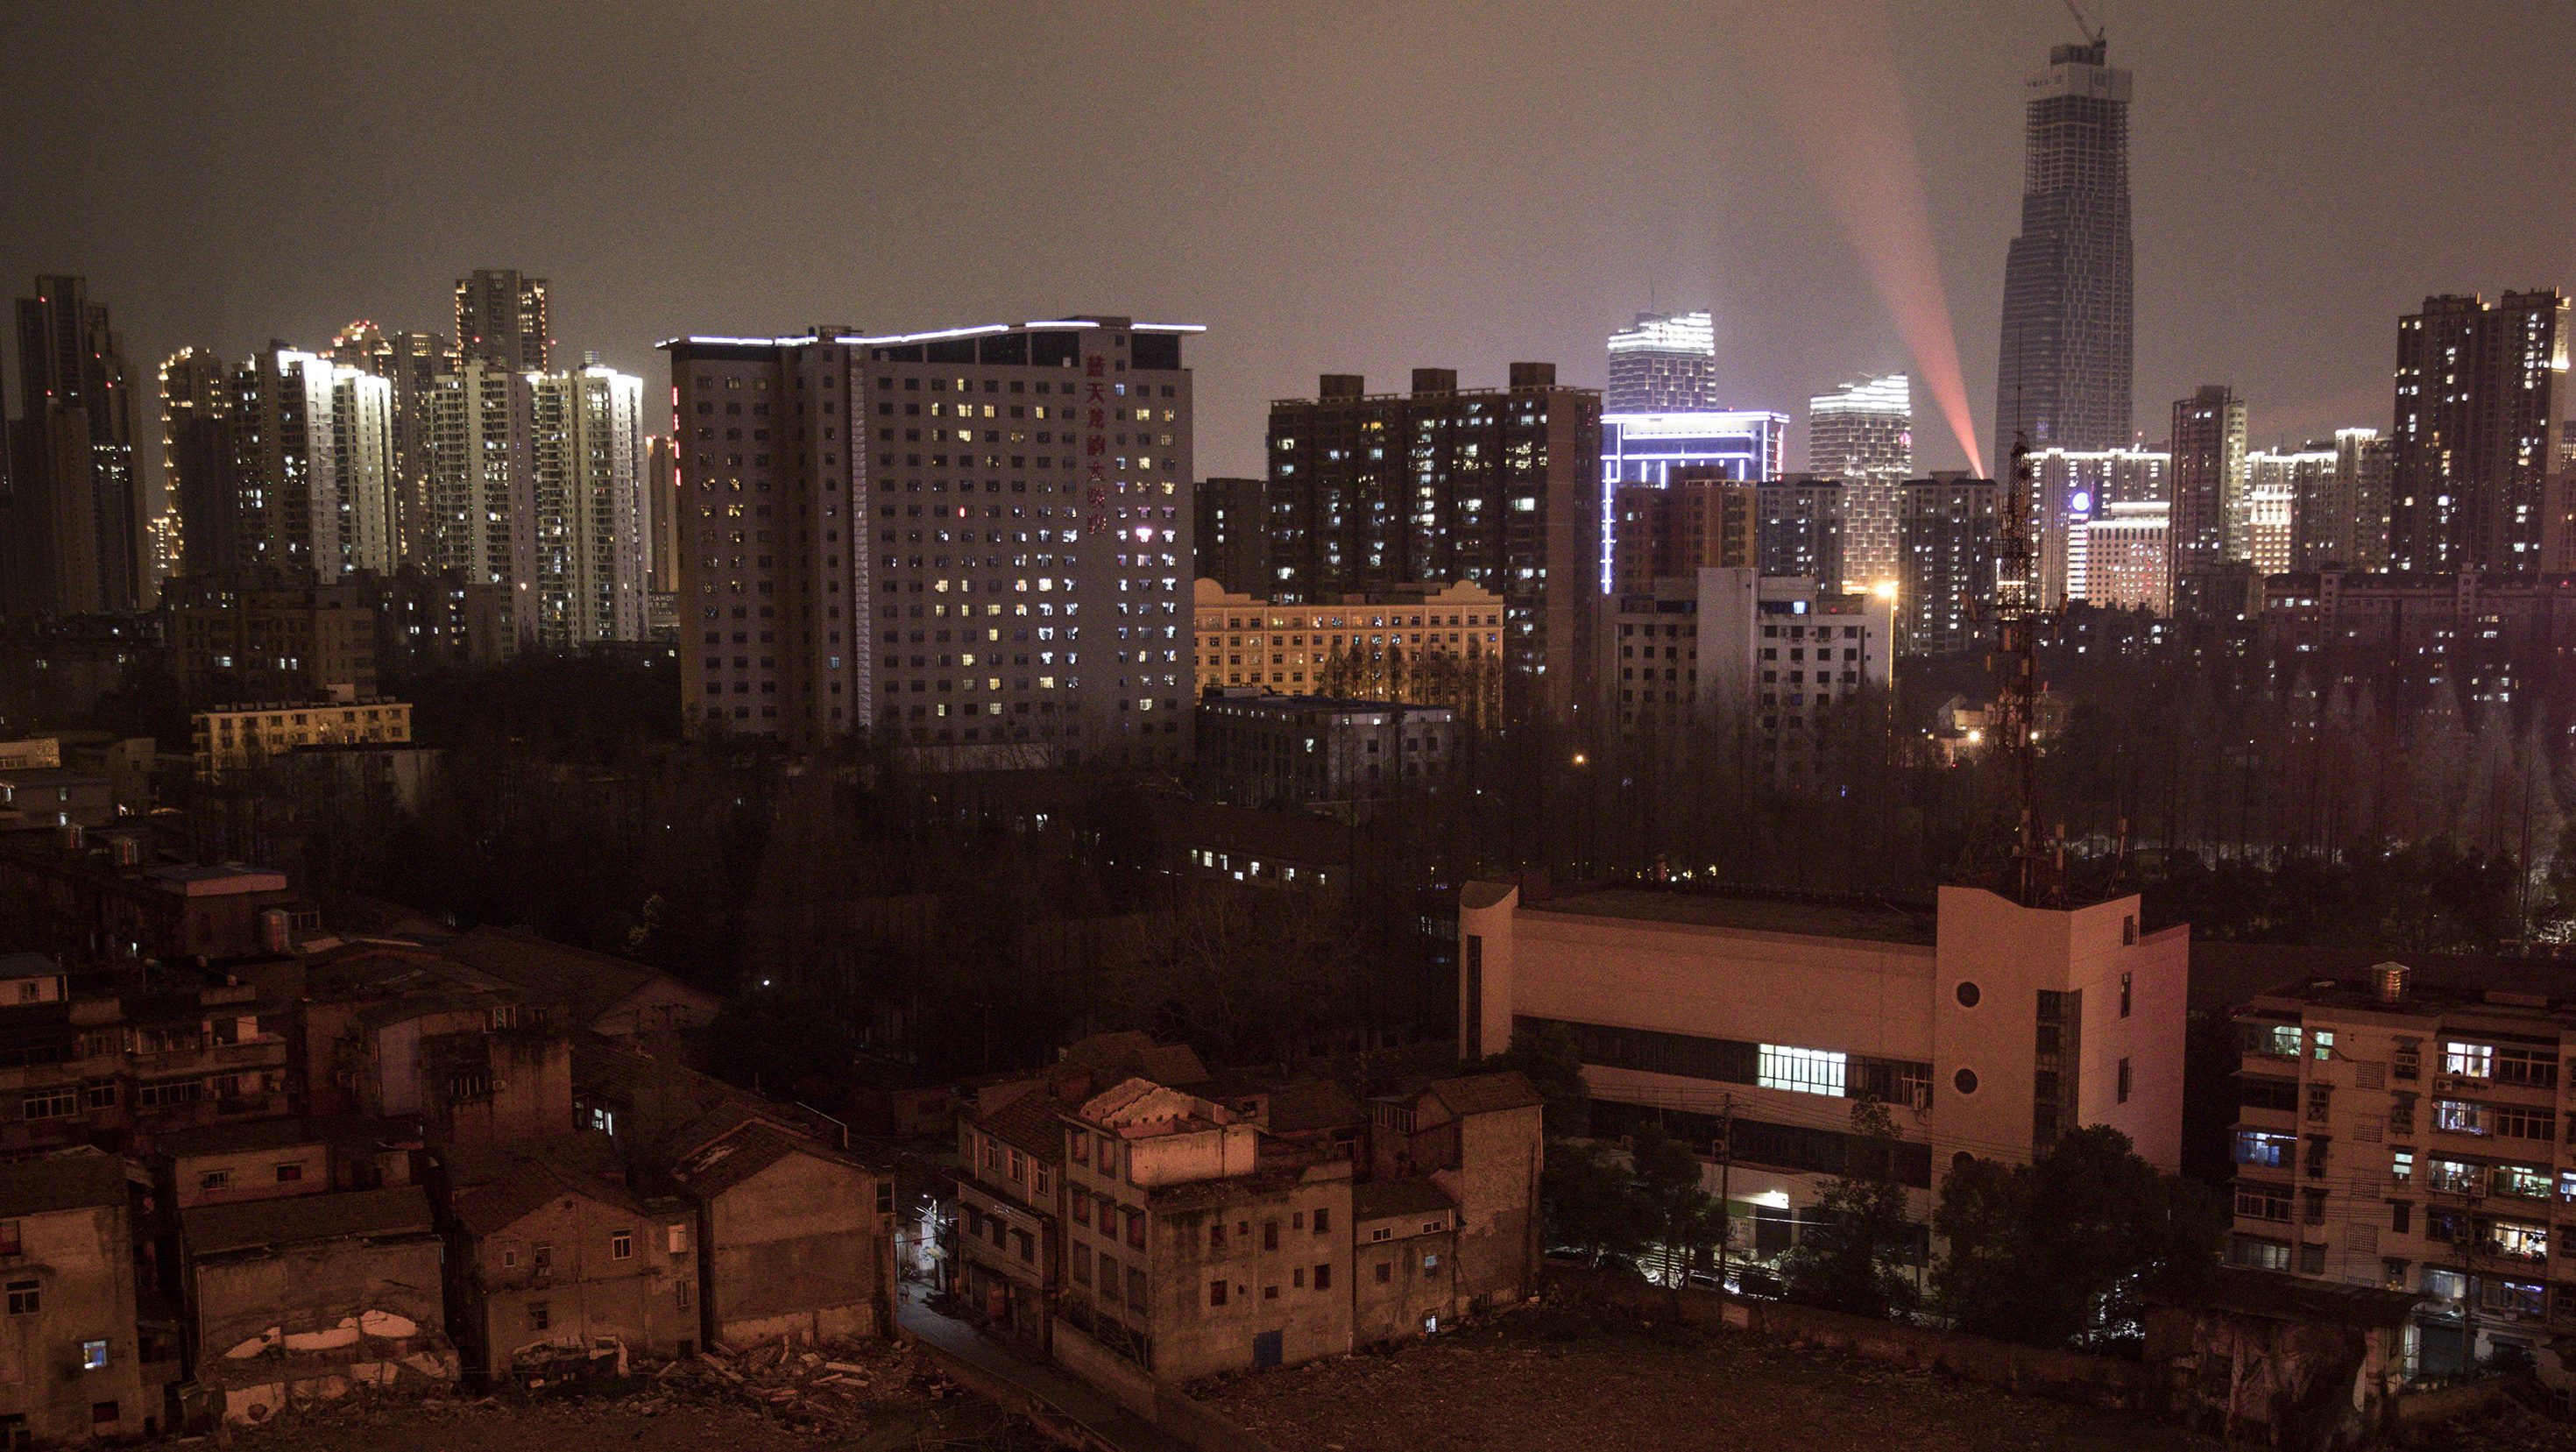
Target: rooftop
395,1210
1396,1199
236,1138
1847,918
2275,1296
78,1181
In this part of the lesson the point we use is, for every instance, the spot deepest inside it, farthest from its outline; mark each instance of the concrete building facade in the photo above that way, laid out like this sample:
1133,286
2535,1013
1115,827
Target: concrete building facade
1495,488
1987,1028
971,542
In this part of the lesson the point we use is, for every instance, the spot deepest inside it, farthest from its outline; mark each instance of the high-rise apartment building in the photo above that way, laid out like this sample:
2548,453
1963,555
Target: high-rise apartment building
412,363
1798,527
1950,529
1663,363
1234,534
2355,528
502,318
2063,377
76,495
2481,394
2208,480
1701,520
312,468
2076,488
482,484
197,477
2124,558
1863,434
662,509
2289,494
586,485
974,542
1774,653
1492,487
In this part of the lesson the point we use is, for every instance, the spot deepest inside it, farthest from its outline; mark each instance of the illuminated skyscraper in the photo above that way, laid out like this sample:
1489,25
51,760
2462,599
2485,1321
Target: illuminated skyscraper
312,470
502,318
2292,487
2063,376
2076,489
413,363
197,463
2208,480
2481,392
1655,449
1946,589
482,488
1663,364
586,457
1863,434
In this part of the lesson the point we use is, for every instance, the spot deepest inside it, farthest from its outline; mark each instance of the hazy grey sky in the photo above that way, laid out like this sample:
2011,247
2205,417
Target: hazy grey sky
1326,187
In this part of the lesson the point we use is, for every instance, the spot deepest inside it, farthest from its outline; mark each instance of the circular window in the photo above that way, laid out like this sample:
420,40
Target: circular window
1966,1079
1968,994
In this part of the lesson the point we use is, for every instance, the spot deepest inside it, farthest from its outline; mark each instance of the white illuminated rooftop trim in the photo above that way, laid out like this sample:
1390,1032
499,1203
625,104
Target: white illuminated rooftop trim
936,335
1679,425
1694,333
1891,394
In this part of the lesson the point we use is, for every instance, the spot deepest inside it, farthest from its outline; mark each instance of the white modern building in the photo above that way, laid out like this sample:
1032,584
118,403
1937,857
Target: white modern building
1663,363
1863,435
587,461
482,485
2122,558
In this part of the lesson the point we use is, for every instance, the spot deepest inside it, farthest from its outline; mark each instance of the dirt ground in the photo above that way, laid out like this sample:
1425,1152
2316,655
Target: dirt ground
1551,1380
868,1397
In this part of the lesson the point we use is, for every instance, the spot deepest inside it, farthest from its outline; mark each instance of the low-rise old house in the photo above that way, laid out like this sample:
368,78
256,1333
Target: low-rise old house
1190,1255
259,1159
2296,1363
556,1269
1009,1265
296,1300
1404,1260
1477,1137
797,1239
115,1057
611,997
71,1362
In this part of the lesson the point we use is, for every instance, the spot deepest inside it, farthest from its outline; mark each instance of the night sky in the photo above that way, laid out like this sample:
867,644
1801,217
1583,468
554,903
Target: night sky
1327,188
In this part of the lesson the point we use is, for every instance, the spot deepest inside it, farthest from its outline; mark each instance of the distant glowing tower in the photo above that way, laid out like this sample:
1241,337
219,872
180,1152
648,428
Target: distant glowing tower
2063,377
1863,435
1663,363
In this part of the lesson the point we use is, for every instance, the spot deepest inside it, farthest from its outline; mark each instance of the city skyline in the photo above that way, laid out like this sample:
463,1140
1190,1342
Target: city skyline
198,243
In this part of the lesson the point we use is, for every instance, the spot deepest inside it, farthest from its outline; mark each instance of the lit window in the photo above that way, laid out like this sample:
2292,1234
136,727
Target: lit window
1804,1071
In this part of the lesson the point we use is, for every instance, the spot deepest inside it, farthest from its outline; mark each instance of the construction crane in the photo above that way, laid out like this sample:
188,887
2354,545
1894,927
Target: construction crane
2092,33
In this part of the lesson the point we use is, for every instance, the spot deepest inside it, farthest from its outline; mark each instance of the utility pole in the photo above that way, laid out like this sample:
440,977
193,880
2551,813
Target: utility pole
1725,1148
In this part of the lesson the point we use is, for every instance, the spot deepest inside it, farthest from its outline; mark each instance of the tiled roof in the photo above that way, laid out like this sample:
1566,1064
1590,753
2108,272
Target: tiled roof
61,1182
1485,1093
1029,1123
710,1170
588,984
305,1219
226,1139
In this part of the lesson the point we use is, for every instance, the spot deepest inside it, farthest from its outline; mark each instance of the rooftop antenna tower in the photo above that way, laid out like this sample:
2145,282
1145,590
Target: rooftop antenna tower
2035,874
